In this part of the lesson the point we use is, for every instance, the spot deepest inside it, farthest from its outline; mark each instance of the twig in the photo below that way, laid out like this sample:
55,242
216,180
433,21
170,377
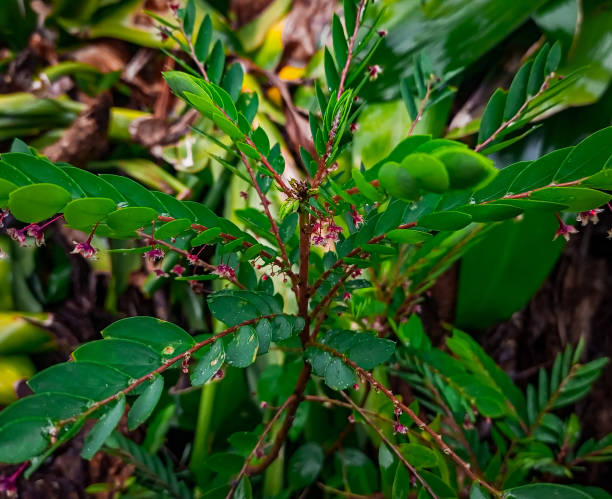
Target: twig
511,121
167,364
421,107
389,444
267,429
367,376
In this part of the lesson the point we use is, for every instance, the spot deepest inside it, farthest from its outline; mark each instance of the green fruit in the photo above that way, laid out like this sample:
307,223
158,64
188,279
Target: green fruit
398,182
466,168
428,170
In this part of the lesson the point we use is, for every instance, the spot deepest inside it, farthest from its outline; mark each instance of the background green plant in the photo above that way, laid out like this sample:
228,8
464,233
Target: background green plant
441,212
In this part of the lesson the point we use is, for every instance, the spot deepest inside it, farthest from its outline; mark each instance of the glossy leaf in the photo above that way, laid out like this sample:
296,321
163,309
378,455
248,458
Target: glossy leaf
37,202
144,405
103,428
209,364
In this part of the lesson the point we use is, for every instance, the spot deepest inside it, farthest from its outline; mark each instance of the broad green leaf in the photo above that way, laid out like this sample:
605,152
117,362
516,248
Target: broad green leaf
166,338
540,172
130,357
51,406
587,158
42,170
202,43
517,94
601,180
429,171
206,236
500,185
466,168
407,236
402,483
445,220
365,188
103,428
216,62
536,75
493,115
129,219
339,41
93,185
331,73
6,187
172,228
554,58
87,212
135,194
539,490
398,182
287,227
82,379
36,202
231,308
490,212
419,455
189,15
209,364
338,375
242,349
23,439
305,465
143,406
576,198
248,150
368,350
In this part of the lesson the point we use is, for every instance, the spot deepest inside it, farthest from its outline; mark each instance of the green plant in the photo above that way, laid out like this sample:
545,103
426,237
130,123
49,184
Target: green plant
328,282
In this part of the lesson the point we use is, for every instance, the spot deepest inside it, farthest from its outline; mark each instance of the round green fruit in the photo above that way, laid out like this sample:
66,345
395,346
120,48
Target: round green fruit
428,170
466,169
398,182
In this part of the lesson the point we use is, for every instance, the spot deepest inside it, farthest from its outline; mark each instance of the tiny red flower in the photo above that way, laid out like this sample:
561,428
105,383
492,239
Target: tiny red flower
3,215
160,273
225,271
589,216
178,269
382,33
154,254
399,428
354,127
37,233
85,249
347,296
193,259
244,195
374,71
351,418
18,235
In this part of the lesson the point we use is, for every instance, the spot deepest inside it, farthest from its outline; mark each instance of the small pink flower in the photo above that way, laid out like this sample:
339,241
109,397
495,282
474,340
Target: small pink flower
333,228
85,249
265,277
382,33
18,235
193,259
347,296
174,6
357,272
3,215
244,195
225,271
354,127
259,453
399,428
178,269
565,231
220,374
357,219
589,216
351,418
160,273
318,240
355,386
154,254
37,233
263,404
374,71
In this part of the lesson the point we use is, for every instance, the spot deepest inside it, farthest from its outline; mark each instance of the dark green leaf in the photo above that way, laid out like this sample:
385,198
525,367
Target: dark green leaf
202,43
493,115
305,465
339,41
445,220
242,349
331,73
536,75
209,364
587,158
143,406
103,428
87,212
517,92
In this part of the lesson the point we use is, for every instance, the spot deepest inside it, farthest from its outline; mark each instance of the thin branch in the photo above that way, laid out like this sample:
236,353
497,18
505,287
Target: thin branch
367,376
512,120
243,470
166,365
319,176
421,107
352,253
390,444
327,299
186,254
229,237
266,206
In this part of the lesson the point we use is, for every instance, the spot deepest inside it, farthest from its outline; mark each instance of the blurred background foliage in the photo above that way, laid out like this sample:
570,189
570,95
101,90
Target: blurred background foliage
81,82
